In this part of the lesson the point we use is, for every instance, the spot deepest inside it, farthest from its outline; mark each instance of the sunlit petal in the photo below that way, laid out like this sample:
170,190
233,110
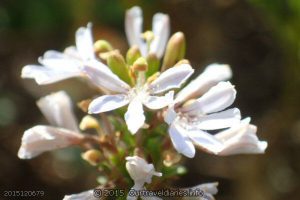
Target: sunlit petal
212,74
172,78
158,102
84,42
134,116
107,103
57,108
39,139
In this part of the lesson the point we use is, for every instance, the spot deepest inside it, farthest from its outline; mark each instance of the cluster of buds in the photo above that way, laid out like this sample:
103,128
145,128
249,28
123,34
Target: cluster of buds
160,124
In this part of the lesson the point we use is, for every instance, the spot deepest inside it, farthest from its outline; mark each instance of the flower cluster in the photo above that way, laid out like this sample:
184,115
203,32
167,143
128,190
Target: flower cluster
162,122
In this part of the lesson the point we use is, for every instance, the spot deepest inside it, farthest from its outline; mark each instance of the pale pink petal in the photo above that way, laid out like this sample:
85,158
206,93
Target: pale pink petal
134,116
58,110
161,30
216,99
212,74
208,189
158,102
107,103
40,139
174,77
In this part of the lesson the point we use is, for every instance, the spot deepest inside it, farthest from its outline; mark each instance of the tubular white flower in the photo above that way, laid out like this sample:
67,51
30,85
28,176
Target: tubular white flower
137,96
38,139
141,172
189,122
56,66
160,29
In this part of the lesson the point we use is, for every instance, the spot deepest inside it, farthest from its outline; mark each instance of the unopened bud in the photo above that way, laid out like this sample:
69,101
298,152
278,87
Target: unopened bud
101,46
171,158
92,156
117,64
140,65
84,105
132,55
88,122
153,63
183,61
148,36
175,50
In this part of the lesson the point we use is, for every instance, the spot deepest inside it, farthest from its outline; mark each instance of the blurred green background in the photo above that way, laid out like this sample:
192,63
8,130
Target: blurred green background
260,39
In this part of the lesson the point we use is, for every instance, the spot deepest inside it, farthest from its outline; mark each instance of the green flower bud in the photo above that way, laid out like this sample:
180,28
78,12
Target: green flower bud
132,55
101,46
175,50
140,65
153,63
117,64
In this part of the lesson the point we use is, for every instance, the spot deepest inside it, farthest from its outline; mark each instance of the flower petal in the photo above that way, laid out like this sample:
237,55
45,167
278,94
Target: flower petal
45,75
158,102
107,103
106,79
212,74
241,139
170,115
161,30
133,28
87,195
219,120
216,99
209,189
39,139
172,78
181,141
84,42
134,116
57,108
205,140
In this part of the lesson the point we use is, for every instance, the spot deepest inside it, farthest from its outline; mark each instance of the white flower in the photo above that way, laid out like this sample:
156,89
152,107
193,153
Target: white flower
190,121
141,172
160,29
146,94
56,66
38,139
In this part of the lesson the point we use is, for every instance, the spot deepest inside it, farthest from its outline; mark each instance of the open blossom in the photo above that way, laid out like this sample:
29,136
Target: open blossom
148,94
160,31
141,172
56,66
38,139
190,121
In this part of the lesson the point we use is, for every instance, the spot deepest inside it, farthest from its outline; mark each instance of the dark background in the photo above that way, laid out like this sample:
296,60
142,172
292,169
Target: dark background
260,39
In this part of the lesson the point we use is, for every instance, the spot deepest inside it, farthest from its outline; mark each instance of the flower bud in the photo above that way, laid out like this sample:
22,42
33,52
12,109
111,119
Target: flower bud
133,54
148,36
171,158
92,156
153,63
101,46
117,64
88,122
175,50
140,65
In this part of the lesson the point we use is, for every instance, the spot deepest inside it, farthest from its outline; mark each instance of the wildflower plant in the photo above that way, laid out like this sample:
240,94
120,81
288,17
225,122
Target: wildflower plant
147,115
